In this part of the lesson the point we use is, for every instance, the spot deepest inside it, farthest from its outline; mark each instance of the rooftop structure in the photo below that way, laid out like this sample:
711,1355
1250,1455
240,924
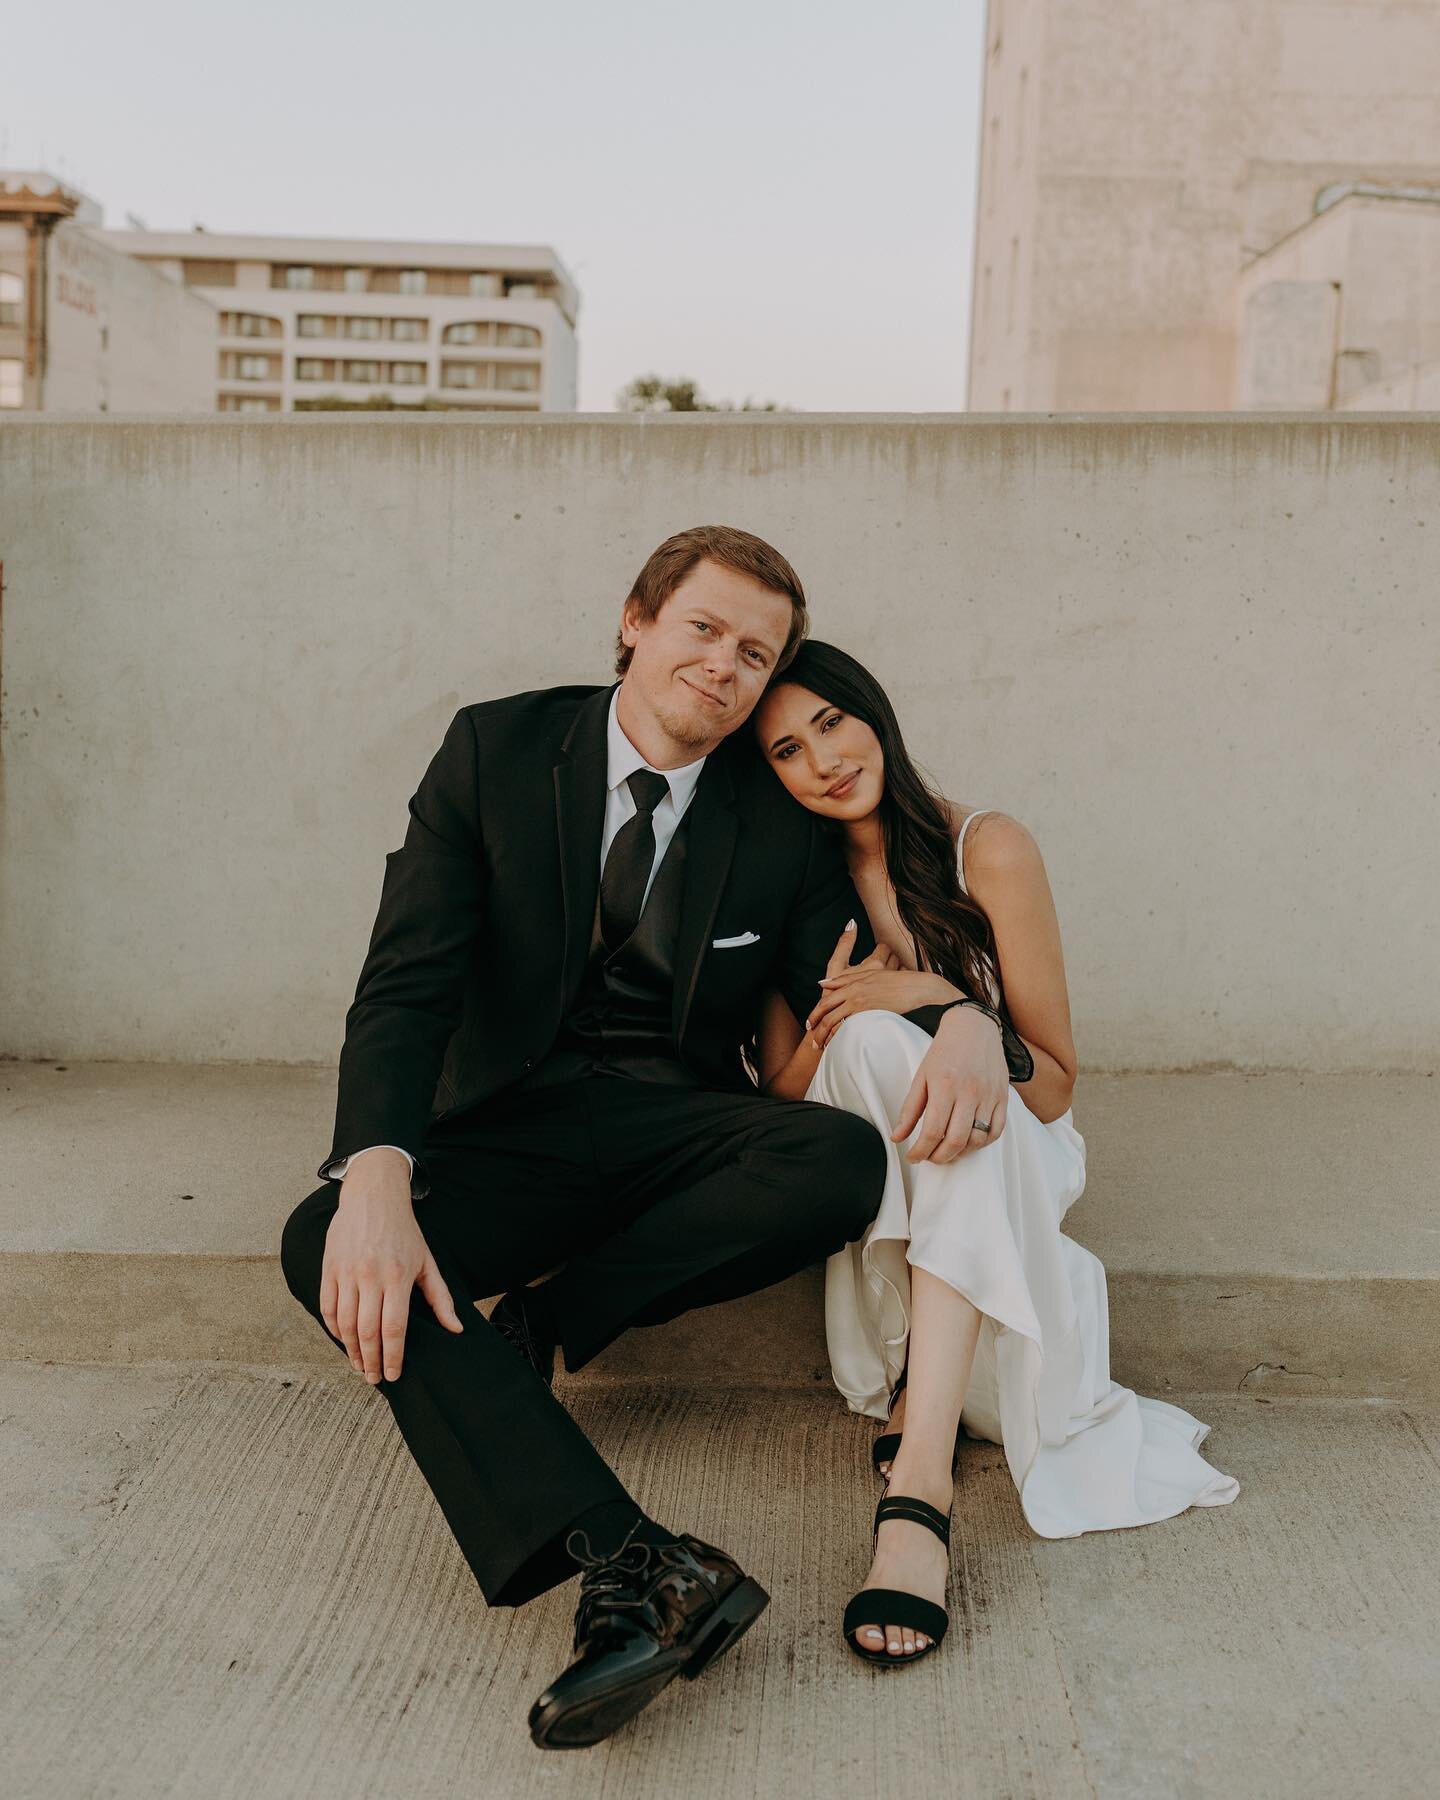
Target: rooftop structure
1155,179
84,328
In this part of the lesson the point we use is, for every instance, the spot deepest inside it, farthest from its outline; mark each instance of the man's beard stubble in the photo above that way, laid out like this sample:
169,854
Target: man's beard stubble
687,731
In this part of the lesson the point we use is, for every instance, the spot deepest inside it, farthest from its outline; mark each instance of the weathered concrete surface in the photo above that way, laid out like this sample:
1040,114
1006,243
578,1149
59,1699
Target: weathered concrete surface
1271,1231
1194,654
236,1583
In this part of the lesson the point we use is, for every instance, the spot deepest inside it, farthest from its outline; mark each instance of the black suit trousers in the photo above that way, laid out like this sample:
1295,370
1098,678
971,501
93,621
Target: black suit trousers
653,1199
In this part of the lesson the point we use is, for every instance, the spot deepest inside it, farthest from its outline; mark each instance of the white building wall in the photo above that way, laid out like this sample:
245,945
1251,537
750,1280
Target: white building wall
254,293
120,338
1172,142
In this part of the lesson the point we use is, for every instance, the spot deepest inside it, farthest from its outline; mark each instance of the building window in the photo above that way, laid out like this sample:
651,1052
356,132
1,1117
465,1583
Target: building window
12,381
356,281
251,325
520,337
299,275
314,325
362,371
412,281
207,273
485,287
314,368
470,331
362,328
254,368
12,300
248,403
522,290
524,377
407,374
464,375
408,331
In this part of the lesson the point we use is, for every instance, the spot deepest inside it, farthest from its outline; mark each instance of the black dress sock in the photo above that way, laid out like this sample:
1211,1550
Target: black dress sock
539,1310
616,1522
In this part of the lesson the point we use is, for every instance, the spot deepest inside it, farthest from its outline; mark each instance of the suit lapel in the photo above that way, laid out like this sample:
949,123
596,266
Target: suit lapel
712,831
580,820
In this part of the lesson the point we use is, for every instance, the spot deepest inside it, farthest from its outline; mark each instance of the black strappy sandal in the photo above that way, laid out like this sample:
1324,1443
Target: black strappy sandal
884,1448
893,1606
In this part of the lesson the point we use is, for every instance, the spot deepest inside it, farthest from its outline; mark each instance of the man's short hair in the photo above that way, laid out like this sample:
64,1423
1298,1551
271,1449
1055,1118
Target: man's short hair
742,551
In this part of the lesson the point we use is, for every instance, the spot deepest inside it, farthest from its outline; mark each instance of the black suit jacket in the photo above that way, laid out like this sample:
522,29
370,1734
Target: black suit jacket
483,928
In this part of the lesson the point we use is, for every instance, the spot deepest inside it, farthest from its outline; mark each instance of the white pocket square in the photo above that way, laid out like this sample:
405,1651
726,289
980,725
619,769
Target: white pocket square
735,943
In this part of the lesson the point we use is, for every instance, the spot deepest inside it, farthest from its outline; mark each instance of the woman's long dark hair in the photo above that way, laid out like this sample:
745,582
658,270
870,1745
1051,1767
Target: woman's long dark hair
953,935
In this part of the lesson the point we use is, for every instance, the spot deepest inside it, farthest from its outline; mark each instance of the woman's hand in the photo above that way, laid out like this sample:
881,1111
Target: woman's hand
879,984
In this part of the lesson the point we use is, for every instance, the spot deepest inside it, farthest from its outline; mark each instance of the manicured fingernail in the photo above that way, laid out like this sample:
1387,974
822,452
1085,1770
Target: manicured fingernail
850,925
392,1374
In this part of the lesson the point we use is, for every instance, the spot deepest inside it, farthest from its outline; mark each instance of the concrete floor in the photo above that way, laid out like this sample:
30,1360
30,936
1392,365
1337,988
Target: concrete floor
233,1582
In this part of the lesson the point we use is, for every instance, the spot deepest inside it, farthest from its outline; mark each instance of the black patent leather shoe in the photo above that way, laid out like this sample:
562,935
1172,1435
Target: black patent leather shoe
515,1322
647,1613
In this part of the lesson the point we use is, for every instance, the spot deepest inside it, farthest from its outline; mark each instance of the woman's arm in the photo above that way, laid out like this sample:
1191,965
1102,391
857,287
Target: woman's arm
1006,875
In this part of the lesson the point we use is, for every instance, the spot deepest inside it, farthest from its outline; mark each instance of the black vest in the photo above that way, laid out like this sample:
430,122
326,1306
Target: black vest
620,1022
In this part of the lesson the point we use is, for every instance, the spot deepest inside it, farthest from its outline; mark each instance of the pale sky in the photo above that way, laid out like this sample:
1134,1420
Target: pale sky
775,197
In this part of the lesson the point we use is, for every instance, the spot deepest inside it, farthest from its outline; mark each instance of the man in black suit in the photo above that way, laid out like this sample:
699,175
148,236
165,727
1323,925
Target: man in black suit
543,1065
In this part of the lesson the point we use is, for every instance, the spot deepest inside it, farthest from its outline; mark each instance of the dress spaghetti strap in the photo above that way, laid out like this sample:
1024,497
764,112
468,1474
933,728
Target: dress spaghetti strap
960,843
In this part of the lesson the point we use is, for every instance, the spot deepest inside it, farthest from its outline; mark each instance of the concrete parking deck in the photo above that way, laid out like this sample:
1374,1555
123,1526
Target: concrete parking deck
234,1582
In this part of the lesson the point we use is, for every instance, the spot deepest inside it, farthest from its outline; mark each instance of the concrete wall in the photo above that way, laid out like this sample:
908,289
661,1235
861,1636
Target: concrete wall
1351,300
1196,656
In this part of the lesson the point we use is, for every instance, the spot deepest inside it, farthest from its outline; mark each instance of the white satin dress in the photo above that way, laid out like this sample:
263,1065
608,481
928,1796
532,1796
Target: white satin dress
1085,1453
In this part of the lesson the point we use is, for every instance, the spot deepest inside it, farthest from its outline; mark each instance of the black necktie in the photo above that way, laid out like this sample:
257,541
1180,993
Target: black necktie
632,856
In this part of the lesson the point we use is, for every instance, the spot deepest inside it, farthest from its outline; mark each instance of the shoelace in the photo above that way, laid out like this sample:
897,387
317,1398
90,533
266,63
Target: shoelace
519,1332
609,1581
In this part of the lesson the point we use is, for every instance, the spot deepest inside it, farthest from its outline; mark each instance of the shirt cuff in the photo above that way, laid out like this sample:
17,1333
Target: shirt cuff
335,1171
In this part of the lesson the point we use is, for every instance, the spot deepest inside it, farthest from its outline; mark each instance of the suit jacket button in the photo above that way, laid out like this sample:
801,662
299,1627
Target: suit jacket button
529,1063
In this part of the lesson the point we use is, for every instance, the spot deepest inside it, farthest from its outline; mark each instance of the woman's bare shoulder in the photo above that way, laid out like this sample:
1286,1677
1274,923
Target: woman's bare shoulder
1003,840
994,823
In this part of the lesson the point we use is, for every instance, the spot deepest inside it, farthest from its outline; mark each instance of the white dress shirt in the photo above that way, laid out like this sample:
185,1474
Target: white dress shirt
621,761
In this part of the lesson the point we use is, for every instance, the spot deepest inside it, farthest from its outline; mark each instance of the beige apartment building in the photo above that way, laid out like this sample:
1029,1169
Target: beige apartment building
1197,205
483,327
84,328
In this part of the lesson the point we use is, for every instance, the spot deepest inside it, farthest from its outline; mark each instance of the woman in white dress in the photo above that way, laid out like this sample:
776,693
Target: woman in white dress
964,1293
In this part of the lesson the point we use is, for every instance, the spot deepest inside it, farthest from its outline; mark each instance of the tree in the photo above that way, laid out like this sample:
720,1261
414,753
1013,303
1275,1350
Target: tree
679,393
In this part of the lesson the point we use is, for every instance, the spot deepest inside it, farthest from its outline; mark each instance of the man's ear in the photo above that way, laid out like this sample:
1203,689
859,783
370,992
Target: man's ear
630,623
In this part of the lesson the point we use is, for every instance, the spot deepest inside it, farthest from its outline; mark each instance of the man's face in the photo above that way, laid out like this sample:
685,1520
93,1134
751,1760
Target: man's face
699,666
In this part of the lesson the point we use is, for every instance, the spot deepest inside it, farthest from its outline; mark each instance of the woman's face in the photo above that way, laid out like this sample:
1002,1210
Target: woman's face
830,761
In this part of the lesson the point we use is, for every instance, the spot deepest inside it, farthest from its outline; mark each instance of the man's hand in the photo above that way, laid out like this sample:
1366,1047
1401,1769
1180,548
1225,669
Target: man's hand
964,1077
375,1254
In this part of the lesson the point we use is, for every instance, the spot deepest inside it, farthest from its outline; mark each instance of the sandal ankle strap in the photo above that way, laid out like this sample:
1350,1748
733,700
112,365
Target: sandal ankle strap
917,1512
